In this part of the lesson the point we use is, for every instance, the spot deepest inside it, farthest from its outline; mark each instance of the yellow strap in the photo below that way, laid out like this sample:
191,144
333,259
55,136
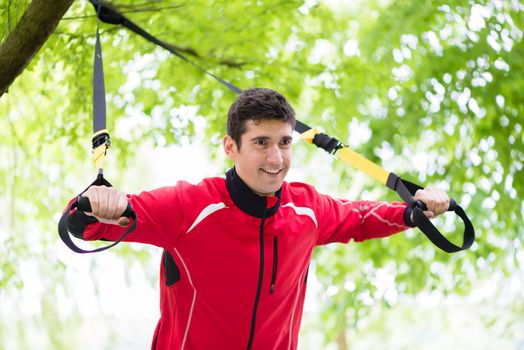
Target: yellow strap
99,154
354,159
309,135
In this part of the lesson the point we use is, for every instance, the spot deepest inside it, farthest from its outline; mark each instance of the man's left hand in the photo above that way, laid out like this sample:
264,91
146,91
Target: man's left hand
436,200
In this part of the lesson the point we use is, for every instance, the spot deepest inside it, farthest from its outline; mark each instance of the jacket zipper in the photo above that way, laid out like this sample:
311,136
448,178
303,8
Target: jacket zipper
275,265
307,272
259,286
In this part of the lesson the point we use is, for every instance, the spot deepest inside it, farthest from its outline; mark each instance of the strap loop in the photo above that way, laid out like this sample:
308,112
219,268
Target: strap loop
406,191
64,232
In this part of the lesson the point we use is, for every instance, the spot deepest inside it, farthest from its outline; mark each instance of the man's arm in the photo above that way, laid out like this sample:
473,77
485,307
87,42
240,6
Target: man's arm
159,216
344,220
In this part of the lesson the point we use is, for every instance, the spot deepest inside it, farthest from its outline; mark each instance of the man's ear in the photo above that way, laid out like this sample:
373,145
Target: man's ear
230,147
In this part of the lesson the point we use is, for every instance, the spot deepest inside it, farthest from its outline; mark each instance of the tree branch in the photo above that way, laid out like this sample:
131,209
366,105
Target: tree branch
31,32
133,10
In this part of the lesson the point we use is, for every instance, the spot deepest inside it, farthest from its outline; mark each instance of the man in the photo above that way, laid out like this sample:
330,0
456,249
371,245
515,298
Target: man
237,250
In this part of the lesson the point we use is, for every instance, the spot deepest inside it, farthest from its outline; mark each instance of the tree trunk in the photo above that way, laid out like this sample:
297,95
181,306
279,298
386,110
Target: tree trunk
342,340
31,32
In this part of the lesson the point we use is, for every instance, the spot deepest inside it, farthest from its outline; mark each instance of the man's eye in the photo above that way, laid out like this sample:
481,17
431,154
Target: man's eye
260,142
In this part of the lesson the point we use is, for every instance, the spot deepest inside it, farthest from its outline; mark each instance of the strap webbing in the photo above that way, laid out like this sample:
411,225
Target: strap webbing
101,139
109,15
99,94
363,164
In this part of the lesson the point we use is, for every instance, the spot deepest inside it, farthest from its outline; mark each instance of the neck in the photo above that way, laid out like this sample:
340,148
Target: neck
247,200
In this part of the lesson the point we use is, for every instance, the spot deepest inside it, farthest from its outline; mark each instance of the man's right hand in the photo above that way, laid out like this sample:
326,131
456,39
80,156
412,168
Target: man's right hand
107,204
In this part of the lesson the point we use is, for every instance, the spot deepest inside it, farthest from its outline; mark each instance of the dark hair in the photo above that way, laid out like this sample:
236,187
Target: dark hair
257,104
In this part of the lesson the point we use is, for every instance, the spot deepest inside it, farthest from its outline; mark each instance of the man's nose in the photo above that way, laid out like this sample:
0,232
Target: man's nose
274,155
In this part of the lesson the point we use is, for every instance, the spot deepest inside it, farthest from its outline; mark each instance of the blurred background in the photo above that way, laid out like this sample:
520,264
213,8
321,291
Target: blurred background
430,90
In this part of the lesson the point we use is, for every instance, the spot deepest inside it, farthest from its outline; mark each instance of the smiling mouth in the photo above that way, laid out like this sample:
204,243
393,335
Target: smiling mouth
272,171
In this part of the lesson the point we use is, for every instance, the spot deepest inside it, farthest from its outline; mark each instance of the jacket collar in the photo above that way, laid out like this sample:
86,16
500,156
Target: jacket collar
247,200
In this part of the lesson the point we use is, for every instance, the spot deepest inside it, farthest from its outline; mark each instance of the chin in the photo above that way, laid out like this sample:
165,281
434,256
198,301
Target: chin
268,191
273,190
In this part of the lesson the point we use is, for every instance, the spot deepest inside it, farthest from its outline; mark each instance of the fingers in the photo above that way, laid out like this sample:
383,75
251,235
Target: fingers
429,214
437,201
123,222
122,203
107,203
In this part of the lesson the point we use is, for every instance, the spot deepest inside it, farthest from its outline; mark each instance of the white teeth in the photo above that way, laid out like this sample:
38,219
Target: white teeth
269,171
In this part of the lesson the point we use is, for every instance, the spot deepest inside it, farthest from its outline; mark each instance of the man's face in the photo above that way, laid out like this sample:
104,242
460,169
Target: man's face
264,157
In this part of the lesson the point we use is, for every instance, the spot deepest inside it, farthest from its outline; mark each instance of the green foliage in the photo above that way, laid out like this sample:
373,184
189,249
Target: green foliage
437,84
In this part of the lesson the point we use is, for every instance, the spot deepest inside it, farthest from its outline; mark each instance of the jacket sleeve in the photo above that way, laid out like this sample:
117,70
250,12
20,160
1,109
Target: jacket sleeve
159,214
344,220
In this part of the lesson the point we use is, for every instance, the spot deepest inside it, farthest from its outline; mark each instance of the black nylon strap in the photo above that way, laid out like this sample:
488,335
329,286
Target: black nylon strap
433,234
108,15
406,190
64,232
301,127
99,94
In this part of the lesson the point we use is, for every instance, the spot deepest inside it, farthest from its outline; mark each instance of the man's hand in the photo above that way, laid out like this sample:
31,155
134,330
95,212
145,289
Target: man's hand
437,201
107,204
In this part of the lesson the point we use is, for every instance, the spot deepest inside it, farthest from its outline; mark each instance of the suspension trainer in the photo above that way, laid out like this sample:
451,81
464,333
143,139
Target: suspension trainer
100,143
405,189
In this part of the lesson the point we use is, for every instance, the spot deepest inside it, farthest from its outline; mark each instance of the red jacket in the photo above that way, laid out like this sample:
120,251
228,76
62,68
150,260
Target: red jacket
235,264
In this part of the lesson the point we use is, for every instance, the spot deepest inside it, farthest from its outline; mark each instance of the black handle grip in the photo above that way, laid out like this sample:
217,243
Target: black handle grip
422,206
83,204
